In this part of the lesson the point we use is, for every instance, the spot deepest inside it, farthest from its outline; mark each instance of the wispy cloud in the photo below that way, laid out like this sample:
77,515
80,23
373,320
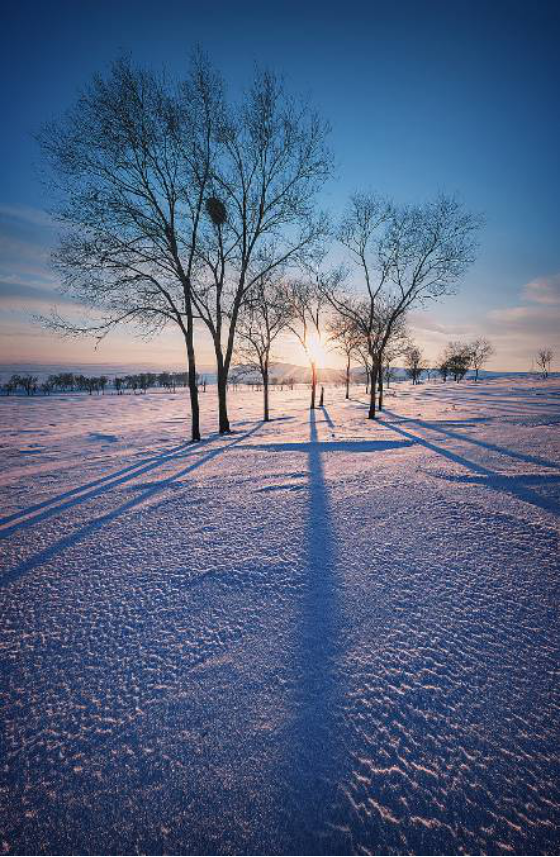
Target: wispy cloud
543,290
27,214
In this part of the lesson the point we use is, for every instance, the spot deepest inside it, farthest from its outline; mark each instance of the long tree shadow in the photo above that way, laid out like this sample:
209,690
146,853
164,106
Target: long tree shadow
91,489
489,478
528,459
315,748
98,523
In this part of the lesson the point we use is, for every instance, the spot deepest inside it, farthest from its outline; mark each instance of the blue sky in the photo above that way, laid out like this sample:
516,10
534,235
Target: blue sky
422,97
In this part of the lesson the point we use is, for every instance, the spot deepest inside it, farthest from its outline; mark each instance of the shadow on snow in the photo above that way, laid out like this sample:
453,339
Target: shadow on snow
96,524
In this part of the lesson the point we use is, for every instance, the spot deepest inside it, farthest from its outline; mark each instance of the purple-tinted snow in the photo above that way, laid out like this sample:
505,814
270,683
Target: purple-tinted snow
320,635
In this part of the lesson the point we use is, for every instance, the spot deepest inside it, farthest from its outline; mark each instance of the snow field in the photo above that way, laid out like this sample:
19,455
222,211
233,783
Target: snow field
319,635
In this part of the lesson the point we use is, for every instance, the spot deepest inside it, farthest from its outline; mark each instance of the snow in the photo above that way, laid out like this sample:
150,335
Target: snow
320,635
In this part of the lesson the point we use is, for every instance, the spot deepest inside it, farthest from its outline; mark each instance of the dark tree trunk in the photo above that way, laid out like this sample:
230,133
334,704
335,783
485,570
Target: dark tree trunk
372,391
313,385
348,378
223,420
381,389
322,399
193,387
265,395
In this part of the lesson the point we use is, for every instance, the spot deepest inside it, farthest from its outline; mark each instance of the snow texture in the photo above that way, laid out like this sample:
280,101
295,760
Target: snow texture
318,635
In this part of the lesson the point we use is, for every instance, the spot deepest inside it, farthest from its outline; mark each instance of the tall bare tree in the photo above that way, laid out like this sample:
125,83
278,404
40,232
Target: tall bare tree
270,162
131,167
176,203
263,317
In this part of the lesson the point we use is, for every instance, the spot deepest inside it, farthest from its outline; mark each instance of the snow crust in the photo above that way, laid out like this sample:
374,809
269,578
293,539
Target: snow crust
320,635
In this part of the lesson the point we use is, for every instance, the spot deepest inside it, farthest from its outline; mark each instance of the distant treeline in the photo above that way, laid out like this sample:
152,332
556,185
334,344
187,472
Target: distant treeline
70,382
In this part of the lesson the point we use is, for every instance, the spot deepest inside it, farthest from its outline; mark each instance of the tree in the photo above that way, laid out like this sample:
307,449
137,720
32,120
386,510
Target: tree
346,339
307,302
457,359
131,171
544,359
263,317
407,255
443,367
267,166
395,346
28,383
481,351
414,362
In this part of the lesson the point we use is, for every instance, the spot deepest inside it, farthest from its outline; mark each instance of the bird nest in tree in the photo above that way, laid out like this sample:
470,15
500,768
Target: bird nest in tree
216,210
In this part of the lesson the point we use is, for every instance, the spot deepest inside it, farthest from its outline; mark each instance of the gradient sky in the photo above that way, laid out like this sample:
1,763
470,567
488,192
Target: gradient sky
422,96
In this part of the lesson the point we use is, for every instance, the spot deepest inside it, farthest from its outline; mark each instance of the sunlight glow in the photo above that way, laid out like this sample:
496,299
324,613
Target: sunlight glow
315,350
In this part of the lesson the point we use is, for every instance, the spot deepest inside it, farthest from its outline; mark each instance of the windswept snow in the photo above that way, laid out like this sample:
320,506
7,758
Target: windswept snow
320,635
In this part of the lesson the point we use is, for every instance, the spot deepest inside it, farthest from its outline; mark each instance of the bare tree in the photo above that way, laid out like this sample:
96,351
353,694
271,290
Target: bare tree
346,339
263,317
131,163
407,255
395,346
544,360
481,351
307,304
457,360
414,363
270,162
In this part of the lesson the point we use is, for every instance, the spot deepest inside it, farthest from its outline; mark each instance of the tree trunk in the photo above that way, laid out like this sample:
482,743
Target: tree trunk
265,395
372,391
348,378
313,385
193,387
381,389
223,420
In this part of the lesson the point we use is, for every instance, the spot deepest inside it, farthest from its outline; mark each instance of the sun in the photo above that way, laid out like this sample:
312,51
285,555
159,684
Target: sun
315,350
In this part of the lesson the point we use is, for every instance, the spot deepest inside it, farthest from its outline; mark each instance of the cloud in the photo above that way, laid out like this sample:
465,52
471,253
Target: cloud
20,291
543,290
33,216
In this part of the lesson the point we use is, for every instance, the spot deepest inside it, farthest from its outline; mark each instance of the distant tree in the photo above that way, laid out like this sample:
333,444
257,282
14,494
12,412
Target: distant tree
544,360
389,374
119,384
11,385
263,317
103,381
414,363
395,346
28,383
457,359
131,382
346,339
443,367
307,304
481,351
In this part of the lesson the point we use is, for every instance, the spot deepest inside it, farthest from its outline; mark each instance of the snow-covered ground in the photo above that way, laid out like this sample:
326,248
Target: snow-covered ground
320,635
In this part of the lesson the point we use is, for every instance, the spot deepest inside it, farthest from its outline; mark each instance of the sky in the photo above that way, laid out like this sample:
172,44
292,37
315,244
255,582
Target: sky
460,97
